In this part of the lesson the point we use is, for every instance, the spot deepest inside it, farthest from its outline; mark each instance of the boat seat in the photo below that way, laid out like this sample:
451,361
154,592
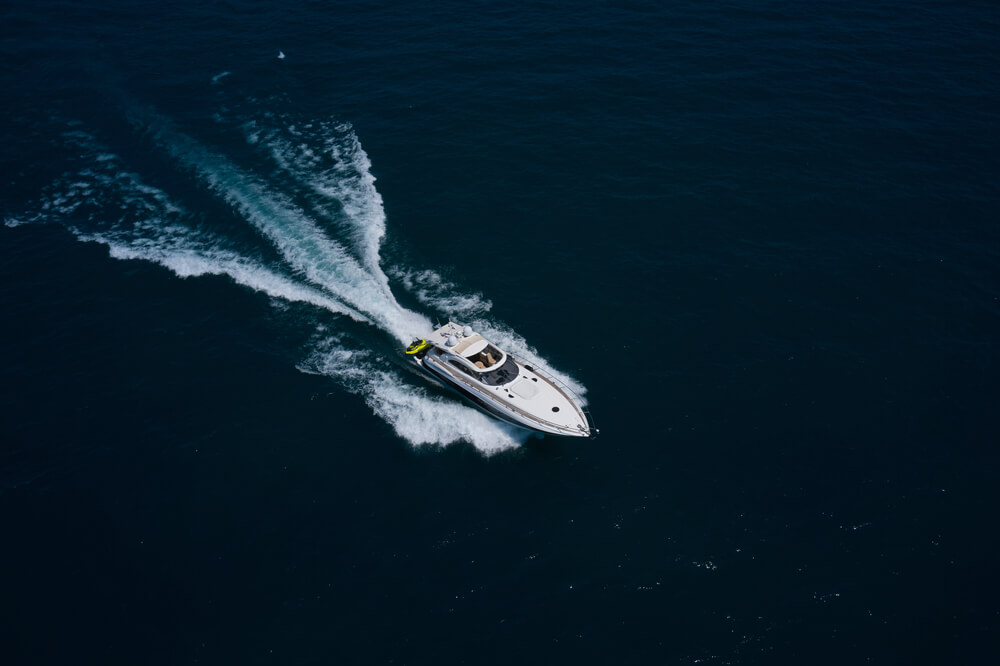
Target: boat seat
490,361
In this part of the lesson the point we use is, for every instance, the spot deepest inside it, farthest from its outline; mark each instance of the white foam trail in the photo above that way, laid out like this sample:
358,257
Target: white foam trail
12,222
434,291
301,242
150,227
221,75
109,204
186,262
415,416
327,158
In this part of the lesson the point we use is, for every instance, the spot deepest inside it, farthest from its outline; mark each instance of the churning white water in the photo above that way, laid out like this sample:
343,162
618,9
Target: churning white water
311,201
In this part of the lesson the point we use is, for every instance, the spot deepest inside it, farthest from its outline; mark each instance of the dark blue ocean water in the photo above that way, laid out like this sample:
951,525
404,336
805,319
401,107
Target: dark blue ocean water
760,237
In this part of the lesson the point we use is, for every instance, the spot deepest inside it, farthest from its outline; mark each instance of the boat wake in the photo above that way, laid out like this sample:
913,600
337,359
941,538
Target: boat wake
293,214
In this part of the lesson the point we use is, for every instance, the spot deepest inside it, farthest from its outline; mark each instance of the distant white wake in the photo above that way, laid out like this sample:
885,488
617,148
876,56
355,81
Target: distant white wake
319,213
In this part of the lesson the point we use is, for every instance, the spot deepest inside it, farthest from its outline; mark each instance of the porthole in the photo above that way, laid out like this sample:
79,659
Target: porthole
555,409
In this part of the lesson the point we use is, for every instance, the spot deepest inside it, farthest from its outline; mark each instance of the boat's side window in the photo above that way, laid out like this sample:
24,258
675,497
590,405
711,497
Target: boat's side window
462,368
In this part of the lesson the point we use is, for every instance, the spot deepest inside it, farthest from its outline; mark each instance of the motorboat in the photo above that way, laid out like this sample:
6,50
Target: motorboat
500,385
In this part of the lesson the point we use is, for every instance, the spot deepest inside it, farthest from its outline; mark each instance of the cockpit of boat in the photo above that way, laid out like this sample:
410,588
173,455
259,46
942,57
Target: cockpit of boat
500,374
487,358
479,352
483,361
476,356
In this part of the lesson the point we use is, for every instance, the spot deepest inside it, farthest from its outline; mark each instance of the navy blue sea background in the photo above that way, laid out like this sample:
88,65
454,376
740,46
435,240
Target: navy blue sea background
759,237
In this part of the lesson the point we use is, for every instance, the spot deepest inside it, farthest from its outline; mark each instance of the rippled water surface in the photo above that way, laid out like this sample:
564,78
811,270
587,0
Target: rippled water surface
759,239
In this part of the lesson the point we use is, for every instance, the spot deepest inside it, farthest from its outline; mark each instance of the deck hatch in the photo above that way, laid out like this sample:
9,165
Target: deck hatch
525,389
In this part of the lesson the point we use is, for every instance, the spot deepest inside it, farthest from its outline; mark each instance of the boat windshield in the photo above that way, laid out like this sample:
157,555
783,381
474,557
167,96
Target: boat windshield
505,374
